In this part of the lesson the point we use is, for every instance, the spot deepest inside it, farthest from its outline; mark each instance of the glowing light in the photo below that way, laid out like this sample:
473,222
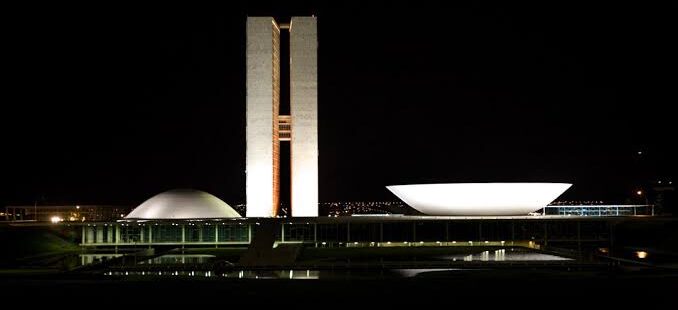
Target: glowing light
479,198
77,207
55,219
641,254
639,193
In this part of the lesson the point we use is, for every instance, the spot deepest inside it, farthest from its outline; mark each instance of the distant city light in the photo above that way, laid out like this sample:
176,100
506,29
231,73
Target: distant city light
639,192
77,207
56,219
641,254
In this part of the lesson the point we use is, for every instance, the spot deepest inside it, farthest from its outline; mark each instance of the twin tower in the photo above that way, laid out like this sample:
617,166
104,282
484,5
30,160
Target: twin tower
266,128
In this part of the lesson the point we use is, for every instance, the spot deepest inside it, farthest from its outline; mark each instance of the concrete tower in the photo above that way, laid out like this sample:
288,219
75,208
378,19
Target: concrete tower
266,128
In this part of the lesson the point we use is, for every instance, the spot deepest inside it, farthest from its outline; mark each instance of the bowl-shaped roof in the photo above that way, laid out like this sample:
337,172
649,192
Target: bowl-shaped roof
182,204
483,199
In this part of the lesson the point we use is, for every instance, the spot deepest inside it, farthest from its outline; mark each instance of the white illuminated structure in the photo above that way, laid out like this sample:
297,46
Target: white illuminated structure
266,128
482,199
184,204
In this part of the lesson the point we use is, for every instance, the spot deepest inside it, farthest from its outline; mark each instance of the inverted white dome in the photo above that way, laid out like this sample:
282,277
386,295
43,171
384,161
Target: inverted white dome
485,199
182,204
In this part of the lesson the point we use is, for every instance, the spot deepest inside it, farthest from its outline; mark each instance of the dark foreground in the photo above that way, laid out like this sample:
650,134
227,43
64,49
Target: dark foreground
524,288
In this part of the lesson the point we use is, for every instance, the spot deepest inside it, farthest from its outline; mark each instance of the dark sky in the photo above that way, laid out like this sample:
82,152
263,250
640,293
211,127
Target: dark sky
115,104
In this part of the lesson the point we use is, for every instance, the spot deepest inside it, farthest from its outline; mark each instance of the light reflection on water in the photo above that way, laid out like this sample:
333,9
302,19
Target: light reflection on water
240,274
169,259
86,259
409,273
502,255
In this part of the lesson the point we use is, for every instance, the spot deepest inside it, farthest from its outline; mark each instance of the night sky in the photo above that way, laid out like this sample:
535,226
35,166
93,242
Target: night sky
112,105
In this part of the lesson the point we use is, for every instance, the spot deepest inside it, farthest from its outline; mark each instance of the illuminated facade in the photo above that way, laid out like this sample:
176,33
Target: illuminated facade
182,204
483,199
266,128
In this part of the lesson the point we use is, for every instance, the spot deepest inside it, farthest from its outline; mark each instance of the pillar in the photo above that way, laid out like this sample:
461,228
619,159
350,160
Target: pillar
117,234
109,234
216,235
90,235
381,232
183,235
447,231
282,226
348,232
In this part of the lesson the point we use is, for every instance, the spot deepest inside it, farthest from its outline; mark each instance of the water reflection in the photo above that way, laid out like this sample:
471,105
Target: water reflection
173,259
409,273
239,274
504,255
87,259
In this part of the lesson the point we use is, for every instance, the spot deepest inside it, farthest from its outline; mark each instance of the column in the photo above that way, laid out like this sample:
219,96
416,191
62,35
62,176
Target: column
216,235
90,235
109,234
150,234
414,231
99,234
348,232
381,232
117,234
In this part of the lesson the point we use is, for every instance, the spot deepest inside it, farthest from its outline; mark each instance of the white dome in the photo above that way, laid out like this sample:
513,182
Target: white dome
485,199
182,204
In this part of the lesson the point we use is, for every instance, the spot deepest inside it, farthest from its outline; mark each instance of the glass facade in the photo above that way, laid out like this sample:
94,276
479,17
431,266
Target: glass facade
359,233
600,210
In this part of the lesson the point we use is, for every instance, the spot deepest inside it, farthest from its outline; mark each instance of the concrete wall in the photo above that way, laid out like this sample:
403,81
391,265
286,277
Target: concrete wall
260,116
304,114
